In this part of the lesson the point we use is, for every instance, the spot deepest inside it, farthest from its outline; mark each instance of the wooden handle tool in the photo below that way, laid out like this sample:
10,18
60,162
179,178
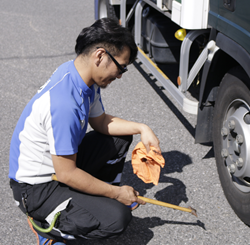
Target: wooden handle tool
168,205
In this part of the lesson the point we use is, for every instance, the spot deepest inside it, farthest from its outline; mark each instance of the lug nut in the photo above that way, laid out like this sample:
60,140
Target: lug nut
239,162
247,118
231,124
239,139
232,168
224,131
224,153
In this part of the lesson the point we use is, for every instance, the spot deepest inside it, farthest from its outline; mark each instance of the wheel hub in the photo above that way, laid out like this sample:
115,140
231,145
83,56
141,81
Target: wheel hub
235,147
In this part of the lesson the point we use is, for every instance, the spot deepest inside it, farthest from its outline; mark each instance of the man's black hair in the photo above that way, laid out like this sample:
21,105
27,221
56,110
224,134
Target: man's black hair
108,34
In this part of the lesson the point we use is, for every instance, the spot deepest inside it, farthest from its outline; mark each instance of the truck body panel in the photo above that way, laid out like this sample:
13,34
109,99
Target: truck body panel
190,14
234,24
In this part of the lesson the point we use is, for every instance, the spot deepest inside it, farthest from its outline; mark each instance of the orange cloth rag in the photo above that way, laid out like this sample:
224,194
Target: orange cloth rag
147,166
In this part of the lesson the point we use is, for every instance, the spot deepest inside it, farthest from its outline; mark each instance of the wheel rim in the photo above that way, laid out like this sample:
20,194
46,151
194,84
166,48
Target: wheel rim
235,146
102,9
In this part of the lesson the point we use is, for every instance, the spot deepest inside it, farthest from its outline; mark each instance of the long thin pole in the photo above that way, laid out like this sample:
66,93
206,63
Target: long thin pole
168,205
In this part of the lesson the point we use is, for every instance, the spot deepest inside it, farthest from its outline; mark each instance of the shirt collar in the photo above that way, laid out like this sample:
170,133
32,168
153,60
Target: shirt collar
81,86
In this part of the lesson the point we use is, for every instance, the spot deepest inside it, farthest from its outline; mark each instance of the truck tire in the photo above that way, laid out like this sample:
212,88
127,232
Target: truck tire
105,9
231,131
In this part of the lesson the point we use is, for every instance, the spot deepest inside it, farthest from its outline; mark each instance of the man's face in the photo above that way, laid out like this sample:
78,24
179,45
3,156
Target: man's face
108,71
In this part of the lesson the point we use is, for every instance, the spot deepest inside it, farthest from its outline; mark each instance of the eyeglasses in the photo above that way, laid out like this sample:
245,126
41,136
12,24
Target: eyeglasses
122,69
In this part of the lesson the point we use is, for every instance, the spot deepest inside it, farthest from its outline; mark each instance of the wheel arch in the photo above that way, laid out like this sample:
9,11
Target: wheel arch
230,55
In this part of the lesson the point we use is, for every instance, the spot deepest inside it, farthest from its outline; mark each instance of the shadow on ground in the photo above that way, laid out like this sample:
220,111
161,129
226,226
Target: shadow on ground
138,232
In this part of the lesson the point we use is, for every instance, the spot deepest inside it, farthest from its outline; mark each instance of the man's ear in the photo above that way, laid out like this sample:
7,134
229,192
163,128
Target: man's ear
98,56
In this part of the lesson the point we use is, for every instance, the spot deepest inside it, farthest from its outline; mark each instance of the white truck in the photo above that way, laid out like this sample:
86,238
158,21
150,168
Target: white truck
209,41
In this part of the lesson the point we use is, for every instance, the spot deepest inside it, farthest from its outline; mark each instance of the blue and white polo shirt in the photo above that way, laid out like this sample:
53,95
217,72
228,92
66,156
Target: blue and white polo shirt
53,122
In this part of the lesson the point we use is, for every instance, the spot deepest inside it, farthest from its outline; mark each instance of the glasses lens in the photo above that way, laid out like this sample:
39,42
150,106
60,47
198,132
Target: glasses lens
124,69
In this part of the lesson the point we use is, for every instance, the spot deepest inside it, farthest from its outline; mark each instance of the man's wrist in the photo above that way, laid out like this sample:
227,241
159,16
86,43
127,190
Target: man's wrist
113,191
143,128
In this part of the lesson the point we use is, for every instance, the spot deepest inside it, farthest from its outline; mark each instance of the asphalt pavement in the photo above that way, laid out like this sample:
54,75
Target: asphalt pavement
35,38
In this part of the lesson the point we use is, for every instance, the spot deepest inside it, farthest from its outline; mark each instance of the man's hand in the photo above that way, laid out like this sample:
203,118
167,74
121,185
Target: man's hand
148,138
127,195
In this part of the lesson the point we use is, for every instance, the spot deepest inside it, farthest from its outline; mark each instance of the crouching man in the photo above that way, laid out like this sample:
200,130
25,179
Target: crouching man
50,138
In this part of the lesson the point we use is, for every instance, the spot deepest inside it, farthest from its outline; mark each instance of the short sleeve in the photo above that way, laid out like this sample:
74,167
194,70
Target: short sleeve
65,127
